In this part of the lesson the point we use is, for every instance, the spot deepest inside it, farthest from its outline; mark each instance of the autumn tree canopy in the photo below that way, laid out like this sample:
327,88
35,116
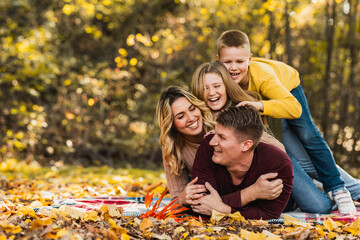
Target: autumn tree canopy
79,79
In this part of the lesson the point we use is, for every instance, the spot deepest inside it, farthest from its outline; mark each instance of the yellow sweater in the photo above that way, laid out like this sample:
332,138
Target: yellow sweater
274,80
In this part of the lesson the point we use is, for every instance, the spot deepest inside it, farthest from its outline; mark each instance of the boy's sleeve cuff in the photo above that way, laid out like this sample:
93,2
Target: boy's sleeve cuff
268,111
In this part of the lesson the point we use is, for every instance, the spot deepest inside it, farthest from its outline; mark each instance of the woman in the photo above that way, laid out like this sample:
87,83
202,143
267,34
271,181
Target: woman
212,83
183,121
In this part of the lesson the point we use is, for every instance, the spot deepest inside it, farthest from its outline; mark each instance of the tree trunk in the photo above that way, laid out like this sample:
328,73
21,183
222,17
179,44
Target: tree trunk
355,98
271,35
330,27
288,35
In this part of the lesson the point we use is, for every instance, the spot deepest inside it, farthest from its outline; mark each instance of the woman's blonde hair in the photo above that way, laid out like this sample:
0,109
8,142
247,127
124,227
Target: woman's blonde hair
171,141
235,93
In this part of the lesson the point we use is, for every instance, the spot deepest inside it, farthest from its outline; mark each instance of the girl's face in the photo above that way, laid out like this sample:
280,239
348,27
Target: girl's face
187,119
215,94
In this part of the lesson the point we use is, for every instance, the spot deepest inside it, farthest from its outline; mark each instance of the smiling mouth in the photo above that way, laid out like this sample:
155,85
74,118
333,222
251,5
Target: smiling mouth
214,99
217,150
234,74
194,125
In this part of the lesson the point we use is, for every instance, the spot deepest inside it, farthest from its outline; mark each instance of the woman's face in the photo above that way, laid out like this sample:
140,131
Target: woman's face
215,94
187,118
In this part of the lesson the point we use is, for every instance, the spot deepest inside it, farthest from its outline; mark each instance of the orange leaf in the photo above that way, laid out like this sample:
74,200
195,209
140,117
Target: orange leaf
146,223
148,199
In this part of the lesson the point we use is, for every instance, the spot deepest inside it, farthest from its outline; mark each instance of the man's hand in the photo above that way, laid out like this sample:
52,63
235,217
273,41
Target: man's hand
192,192
265,189
210,202
258,105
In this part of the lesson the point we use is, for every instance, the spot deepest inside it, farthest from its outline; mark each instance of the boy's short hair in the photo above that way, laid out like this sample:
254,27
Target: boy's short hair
232,38
245,121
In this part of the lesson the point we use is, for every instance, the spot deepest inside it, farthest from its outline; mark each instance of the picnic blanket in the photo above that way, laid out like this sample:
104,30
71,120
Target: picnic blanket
135,206
132,206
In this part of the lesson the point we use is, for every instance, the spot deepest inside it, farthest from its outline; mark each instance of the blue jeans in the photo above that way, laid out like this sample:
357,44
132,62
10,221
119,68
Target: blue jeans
314,144
305,194
298,153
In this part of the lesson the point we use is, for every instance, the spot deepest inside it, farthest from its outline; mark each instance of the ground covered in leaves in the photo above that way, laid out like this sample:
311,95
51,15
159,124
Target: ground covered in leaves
24,187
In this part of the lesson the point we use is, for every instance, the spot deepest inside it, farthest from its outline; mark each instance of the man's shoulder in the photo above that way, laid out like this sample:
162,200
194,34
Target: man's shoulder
268,150
271,157
207,138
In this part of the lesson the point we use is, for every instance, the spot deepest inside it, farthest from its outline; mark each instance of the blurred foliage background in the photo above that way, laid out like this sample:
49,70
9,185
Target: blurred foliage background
79,79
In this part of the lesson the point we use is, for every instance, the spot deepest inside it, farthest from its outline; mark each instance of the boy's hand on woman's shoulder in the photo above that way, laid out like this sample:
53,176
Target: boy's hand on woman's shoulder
258,105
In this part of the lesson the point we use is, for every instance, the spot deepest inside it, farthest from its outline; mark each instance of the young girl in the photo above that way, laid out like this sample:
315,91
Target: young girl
212,83
183,120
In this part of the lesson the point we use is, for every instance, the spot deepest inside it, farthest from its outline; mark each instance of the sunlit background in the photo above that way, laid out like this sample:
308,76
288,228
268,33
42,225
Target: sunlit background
79,79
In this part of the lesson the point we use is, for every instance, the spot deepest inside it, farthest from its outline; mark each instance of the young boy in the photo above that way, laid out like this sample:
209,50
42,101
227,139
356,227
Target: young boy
280,85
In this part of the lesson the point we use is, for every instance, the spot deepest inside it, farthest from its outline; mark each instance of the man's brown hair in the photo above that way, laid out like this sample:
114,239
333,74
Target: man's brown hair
232,38
246,122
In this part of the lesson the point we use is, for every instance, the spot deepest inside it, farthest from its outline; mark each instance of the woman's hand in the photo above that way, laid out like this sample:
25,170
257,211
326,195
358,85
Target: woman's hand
209,132
191,193
258,105
210,202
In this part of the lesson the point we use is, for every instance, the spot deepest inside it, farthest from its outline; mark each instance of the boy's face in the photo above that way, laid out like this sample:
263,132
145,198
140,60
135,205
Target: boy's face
236,61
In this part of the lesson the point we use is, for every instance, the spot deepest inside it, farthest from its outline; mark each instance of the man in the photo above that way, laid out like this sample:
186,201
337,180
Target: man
240,173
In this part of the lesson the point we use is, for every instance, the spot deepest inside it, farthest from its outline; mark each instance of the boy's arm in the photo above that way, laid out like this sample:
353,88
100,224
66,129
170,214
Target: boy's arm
281,103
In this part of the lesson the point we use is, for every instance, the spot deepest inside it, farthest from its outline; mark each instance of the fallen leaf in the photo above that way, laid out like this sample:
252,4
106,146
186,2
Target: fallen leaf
179,230
290,219
40,222
114,211
146,223
26,211
91,216
216,216
238,217
75,213
330,224
194,223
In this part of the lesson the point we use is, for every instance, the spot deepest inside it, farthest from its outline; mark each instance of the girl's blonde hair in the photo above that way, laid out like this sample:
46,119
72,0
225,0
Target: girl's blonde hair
171,141
235,93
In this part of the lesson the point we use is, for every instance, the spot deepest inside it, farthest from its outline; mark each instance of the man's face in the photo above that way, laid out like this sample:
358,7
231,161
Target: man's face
236,61
227,146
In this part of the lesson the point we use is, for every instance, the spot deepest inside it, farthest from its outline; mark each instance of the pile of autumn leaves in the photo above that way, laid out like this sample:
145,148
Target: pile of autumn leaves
21,194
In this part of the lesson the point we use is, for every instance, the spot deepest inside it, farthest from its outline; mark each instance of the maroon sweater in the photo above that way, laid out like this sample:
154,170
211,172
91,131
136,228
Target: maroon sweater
267,159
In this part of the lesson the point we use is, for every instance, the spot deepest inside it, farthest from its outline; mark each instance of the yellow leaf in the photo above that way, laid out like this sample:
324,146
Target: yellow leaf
252,235
332,235
356,224
195,223
179,230
216,216
26,211
91,216
10,228
124,236
330,225
112,223
146,223
40,222
321,232
185,235
289,219
238,217
104,208
61,233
